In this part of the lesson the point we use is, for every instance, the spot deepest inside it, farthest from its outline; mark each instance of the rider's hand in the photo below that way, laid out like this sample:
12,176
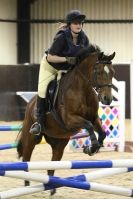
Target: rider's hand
71,60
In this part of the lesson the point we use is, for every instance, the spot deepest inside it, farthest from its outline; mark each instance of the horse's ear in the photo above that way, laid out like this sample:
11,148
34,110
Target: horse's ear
112,56
100,55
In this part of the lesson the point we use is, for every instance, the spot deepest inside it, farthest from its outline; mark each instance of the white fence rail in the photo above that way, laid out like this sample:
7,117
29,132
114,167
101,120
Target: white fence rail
131,97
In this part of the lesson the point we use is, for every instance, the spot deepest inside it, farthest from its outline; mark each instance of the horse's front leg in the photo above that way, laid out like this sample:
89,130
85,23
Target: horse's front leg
95,146
78,122
99,129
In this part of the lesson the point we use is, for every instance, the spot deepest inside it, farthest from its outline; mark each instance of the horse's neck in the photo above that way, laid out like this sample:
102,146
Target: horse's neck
80,75
86,67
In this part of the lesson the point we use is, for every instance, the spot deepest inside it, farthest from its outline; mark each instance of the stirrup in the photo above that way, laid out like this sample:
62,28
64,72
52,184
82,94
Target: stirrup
35,129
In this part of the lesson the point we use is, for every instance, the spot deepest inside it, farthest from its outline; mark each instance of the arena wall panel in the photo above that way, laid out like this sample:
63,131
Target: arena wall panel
25,78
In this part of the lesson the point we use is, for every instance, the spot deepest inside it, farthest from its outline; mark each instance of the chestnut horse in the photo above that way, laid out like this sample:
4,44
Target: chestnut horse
77,103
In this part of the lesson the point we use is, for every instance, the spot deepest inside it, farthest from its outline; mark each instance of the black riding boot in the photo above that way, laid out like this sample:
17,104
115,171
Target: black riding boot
38,127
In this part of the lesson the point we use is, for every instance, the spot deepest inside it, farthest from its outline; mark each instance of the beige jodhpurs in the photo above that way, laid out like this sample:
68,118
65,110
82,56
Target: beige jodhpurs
46,74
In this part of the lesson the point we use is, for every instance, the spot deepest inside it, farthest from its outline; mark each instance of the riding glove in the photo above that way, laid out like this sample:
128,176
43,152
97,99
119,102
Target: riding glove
71,60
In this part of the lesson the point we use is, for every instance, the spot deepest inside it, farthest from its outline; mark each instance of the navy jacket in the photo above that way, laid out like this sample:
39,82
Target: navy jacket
63,46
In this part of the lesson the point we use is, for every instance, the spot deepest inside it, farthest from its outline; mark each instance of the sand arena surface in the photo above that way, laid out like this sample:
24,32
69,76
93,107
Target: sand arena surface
43,152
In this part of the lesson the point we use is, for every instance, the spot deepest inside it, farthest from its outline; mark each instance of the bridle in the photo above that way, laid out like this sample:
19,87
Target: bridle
94,82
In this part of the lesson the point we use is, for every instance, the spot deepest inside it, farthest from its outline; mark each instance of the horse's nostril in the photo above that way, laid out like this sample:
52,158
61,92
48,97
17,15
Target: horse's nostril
107,100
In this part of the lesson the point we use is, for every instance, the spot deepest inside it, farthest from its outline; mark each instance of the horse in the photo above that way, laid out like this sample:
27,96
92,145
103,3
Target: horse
77,103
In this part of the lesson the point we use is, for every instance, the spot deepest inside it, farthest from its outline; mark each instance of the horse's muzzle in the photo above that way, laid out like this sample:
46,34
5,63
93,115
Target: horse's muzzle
105,99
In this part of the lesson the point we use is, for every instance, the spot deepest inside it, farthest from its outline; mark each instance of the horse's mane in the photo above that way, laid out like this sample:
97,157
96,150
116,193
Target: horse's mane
85,51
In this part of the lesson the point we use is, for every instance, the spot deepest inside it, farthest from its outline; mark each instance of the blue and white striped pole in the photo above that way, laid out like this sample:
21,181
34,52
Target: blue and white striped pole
53,182
8,146
66,164
10,128
83,177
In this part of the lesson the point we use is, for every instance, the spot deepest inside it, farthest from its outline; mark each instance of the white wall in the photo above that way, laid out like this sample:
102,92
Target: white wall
109,36
8,43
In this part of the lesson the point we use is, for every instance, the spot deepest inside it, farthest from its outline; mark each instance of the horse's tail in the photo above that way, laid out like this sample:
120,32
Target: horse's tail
19,144
23,135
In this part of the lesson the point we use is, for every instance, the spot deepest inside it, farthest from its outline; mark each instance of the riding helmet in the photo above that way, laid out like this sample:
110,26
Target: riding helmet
75,15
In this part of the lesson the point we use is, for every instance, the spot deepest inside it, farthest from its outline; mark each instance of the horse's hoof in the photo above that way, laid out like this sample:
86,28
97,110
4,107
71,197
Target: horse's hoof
52,192
101,139
91,150
26,183
85,149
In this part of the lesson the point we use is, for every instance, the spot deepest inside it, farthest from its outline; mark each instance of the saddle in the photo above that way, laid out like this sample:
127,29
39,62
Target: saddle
52,90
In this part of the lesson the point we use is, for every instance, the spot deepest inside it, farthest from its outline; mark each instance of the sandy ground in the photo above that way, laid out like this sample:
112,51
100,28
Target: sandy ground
43,152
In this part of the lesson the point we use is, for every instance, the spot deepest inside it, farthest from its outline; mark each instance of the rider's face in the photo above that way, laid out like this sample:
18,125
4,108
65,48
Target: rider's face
76,27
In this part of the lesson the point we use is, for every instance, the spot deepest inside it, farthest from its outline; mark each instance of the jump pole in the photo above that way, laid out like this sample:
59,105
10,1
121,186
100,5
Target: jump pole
52,182
66,164
10,128
83,177
8,146
14,145
17,128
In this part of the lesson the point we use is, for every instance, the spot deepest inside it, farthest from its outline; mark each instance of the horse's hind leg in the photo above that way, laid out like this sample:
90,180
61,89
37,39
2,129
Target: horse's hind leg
99,129
57,151
58,146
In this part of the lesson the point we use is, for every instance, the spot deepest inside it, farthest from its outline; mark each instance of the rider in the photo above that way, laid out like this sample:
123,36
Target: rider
62,55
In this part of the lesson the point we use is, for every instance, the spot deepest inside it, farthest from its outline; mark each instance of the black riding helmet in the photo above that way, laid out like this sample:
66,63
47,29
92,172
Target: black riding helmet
75,15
